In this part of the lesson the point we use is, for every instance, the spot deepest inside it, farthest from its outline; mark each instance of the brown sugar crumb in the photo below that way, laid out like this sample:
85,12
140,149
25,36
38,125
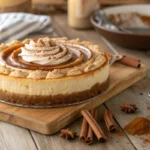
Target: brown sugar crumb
146,140
120,133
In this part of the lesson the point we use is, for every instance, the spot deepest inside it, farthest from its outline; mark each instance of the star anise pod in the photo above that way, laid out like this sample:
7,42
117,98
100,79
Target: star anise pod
129,108
68,134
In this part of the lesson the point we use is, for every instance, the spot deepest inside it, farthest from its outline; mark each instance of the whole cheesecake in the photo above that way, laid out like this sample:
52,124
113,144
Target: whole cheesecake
52,71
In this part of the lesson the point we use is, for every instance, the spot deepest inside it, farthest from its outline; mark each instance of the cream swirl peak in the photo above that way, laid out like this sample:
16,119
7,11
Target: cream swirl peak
44,53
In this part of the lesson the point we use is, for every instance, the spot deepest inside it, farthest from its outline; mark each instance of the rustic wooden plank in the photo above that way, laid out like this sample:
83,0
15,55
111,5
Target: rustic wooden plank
55,142
15,138
136,94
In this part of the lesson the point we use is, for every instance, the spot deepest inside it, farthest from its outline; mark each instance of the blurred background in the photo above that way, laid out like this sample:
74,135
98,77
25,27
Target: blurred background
52,6
125,26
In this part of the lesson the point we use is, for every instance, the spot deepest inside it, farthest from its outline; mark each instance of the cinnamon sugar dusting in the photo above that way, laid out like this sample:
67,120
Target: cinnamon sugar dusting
19,73
138,126
146,140
37,74
55,74
41,58
4,70
74,71
120,133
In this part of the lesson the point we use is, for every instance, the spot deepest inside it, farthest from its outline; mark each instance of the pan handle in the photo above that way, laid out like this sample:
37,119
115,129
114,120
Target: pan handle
114,58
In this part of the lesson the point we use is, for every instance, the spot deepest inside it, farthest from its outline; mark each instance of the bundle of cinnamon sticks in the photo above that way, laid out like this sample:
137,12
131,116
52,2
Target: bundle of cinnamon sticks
90,127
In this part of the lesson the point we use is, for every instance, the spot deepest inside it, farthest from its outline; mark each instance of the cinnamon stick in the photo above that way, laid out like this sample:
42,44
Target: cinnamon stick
95,127
90,135
132,62
89,139
108,118
90,131
86,133
84,130
133,58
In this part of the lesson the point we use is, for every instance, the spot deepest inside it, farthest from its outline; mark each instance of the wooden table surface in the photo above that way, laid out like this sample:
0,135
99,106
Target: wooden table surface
17,138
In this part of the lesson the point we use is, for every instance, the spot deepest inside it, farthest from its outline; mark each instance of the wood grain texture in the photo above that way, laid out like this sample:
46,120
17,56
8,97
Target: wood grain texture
15,138
136,94
49,121
54,142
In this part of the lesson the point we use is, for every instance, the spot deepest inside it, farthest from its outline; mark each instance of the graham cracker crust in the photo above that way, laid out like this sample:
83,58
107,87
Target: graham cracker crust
58,100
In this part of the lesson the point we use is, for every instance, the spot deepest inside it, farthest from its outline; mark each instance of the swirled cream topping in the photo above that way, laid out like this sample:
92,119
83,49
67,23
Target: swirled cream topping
51,58
44,53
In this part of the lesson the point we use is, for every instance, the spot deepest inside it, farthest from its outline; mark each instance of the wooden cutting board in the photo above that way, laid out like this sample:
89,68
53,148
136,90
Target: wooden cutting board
49,121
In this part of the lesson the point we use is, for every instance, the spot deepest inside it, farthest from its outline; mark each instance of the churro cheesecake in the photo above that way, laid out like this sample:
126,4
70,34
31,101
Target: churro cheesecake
52,71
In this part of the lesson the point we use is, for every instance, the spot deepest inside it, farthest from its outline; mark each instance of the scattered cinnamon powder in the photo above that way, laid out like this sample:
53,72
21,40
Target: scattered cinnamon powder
146,140
138,126
120,133
148,107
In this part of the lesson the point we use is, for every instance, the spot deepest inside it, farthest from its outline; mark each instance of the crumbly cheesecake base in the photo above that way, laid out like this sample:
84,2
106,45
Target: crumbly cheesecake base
57,100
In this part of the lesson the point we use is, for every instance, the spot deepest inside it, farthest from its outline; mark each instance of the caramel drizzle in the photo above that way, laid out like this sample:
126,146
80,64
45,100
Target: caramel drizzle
12,60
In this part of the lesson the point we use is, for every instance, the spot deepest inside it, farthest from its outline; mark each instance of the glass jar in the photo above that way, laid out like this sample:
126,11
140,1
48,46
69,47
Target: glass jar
79,12
49,6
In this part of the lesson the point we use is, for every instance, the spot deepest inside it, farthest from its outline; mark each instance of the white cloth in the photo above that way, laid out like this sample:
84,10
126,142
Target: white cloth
14,26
